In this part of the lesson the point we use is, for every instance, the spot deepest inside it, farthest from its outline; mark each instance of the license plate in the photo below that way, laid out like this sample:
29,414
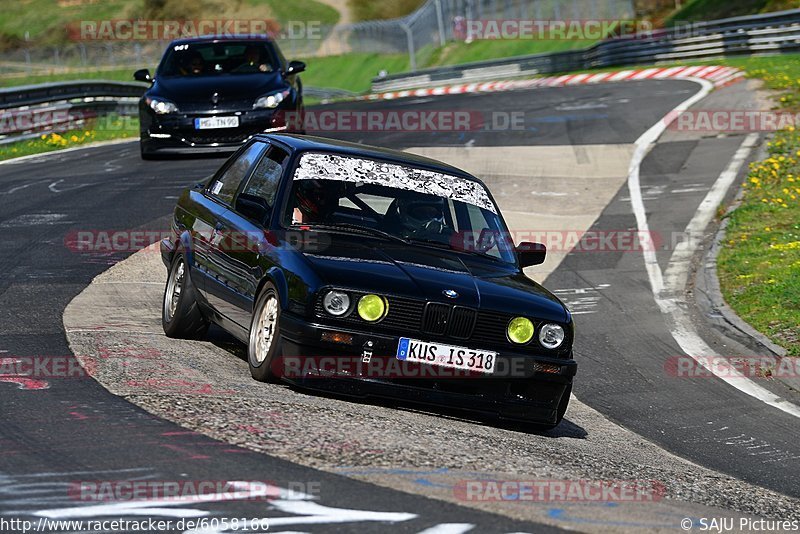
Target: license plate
209,123
446,355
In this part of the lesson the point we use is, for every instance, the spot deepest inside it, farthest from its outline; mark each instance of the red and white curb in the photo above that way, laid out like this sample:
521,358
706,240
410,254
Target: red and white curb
718,75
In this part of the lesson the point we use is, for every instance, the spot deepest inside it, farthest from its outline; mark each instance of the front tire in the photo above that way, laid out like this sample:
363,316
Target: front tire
180,313
146,156
561,410
264,348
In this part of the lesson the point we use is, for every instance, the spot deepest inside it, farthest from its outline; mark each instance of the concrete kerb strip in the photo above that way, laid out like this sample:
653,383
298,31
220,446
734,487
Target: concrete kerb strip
114,328
718,75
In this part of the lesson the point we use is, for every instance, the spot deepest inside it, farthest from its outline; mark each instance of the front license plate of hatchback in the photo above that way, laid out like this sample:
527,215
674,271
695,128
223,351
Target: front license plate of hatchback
446,355
211,123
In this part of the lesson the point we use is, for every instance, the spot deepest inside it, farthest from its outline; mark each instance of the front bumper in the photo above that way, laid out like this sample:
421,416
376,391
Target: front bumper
167,249
523,387
176,133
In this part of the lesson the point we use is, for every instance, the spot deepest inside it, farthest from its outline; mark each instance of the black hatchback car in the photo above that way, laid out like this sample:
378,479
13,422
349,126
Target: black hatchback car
368,272
211,94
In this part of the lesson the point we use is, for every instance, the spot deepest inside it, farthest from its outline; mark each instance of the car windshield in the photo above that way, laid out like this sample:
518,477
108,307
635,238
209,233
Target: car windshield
397,202
220,58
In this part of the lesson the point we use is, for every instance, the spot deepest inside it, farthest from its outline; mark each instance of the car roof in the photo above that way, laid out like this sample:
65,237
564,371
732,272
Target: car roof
220,38
322,144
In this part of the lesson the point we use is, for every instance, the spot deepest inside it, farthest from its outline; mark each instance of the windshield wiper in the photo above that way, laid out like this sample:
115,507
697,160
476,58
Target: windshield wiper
357,228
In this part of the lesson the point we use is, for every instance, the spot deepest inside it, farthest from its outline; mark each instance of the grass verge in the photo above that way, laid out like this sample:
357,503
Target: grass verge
759,264
100,129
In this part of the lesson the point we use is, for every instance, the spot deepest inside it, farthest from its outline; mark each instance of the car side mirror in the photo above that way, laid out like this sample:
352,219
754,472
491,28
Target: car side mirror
142,75
295,67
530,254
253,207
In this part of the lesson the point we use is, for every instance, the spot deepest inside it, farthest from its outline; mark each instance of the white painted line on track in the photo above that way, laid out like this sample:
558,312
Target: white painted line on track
668,289
449,528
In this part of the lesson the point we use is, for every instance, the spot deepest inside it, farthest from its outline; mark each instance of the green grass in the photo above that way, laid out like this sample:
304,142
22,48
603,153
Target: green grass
455,53
701,10
759,264
382,9
309,10
118,75
353,72
45,21
101,129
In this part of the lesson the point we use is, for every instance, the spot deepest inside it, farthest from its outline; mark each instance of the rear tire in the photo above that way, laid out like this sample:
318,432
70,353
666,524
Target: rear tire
180,313
264,348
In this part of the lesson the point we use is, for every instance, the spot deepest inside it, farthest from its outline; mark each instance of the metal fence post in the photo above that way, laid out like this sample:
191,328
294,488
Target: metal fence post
410,39
440,20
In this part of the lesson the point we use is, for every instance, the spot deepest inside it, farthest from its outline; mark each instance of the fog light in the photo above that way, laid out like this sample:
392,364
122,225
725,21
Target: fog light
372,308
551,336
336,303
520,330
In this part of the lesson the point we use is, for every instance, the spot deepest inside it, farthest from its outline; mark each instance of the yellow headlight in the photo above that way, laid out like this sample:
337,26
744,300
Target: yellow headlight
372,307
520,330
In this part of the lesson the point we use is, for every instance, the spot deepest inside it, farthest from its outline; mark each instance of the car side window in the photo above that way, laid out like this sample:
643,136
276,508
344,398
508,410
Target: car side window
224,186
266,178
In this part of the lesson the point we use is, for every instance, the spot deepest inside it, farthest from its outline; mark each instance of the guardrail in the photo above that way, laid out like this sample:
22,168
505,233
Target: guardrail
770,33
29,95
30,110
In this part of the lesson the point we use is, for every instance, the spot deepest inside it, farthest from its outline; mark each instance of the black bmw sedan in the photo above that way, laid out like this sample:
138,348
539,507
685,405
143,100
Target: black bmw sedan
368,272
211,94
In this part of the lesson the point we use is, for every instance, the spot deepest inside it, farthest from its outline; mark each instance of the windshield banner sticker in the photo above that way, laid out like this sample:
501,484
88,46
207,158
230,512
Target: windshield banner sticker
319,166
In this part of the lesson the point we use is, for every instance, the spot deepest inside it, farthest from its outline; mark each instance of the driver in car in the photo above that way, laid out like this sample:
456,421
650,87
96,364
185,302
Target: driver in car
316,200
191,63
252,61
421,215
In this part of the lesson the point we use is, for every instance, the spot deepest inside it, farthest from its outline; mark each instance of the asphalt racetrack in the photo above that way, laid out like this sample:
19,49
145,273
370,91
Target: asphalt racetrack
566,168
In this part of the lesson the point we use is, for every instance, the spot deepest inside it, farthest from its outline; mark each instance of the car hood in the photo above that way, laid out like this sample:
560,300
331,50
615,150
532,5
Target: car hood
229,87
424,272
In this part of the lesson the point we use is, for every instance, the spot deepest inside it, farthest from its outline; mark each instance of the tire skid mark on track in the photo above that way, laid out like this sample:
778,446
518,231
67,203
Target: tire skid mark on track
755,447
